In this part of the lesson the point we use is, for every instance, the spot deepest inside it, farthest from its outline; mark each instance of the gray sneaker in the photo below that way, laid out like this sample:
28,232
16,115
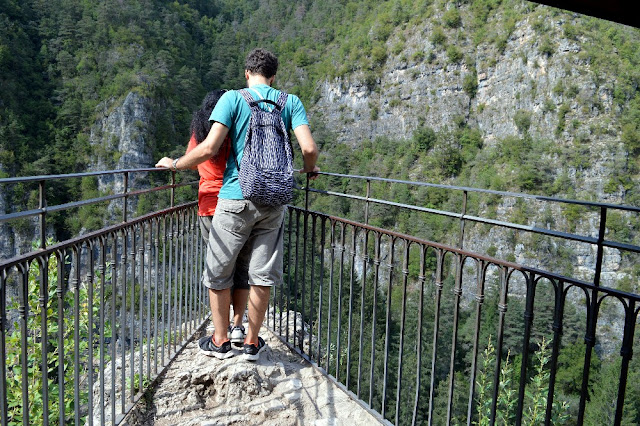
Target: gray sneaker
237,335
208,348
252,352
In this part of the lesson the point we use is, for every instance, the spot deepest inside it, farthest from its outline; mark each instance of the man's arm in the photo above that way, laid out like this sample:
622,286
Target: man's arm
205,150
309,149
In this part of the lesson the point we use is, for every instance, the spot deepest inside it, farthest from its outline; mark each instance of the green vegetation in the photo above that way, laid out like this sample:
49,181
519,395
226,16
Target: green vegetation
63,63
58,348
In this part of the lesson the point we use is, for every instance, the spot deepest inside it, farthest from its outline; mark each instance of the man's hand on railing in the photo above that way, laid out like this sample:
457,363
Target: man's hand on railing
313,174
165,162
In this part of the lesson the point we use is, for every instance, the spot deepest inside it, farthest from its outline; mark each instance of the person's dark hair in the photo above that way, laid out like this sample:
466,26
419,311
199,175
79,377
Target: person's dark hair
200,124
262,62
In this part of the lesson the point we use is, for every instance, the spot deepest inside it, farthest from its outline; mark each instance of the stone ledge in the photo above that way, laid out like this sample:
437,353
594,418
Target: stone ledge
278,389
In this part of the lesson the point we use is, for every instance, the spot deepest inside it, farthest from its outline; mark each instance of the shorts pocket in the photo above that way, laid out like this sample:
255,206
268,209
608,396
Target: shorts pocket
232,206
229,215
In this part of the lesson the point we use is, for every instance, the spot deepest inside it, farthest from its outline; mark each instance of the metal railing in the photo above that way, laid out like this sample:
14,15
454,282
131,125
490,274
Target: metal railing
417,331
89,323
421,332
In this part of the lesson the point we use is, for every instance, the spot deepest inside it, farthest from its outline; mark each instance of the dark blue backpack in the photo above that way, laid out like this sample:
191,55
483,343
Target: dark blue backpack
265,172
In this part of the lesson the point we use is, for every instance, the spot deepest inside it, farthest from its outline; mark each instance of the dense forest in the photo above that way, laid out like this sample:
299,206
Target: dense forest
64,64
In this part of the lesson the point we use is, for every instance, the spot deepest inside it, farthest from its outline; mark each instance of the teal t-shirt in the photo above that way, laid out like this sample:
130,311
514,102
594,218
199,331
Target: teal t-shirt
234,112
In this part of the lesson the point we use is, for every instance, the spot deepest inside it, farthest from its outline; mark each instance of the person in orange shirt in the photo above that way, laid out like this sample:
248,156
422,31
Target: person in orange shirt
211,173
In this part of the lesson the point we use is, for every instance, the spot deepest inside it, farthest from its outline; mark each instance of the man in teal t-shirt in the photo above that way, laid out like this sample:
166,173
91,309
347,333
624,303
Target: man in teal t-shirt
243,232
233,112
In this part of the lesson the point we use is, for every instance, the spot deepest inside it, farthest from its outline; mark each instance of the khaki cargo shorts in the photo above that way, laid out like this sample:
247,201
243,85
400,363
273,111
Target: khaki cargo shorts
247,236
240,276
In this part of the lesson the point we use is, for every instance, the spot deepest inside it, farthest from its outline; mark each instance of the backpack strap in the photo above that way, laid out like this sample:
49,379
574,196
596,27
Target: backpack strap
253,103
279,105
282,100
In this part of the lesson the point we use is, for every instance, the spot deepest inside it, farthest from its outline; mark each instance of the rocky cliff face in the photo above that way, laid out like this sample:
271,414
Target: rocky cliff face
121,140
421,85
526,80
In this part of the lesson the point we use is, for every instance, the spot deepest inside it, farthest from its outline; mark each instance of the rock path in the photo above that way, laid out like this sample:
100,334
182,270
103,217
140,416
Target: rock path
279,389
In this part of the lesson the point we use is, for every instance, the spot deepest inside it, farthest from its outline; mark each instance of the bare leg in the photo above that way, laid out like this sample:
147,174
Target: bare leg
239,299
258,303
219,301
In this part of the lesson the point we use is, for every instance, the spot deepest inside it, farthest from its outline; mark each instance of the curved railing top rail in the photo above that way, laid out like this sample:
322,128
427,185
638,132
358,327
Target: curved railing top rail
489,260
596,235
19,179
6,264
44,208
485,191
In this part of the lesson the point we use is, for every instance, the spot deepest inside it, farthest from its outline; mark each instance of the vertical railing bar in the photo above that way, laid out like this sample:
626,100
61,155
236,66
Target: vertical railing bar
626,351
457,295
114,324
592,316
102,269
351,291
163,304
23,313
141,284
289,281
405,280
295,282
75,283
480,283
304,261
528,322
558,313
156,258
195,240
289,284
202,289
600,247
43,231
176,286
149,247
90,284
198,270
320,295
126,196
4,420
182,279
60,290
330,295
305,242
340,281
374,314
132,330
187,275
170,279
502,310
44,301
387,337
421,280
366,204
190,256
365,261
465,195
436,328
173,188
312,283
123,321
273,295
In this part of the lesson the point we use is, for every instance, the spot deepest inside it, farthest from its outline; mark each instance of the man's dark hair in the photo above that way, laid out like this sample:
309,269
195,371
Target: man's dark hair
200,124
262,62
